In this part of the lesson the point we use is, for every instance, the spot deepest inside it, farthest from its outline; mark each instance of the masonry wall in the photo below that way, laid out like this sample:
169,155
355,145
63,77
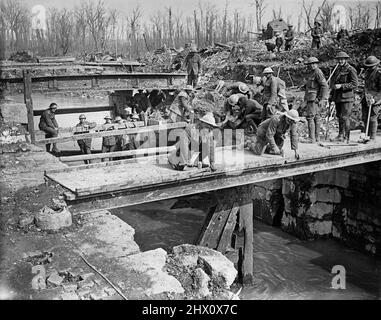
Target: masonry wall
343,203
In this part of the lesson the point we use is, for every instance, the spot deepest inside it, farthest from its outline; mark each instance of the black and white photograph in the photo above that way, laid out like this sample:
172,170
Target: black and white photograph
190,155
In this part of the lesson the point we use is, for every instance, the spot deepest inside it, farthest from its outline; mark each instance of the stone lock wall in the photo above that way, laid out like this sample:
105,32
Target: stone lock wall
343,203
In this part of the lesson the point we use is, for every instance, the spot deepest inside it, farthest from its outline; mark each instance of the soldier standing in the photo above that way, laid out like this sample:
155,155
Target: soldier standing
289,37
109,142
344,82
49,125
83,127
316,97
193,65
316,33
270,94
372,96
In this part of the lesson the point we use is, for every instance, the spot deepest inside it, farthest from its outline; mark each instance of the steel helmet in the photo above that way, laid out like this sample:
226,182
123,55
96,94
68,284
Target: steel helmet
312,60
268,70
342,55
233,99
293,115
243,88
118,118
82,116
371,61
107,117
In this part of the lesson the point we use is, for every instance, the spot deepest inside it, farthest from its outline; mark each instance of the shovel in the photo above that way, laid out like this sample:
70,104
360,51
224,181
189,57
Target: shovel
366,138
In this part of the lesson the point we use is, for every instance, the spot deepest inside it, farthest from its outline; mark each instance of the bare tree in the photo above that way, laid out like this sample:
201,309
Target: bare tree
326,15
377,17
260,7
134,24
97,21
277,14
359,16
64,29
310,15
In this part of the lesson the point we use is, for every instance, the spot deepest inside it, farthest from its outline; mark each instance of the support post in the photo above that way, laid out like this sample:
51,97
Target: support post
246,224
29,103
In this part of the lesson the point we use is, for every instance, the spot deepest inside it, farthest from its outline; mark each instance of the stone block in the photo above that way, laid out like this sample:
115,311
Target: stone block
55,279
84,292
201,282
338,178
288,186
69,296
88,283
330,195
320,227
68,287
219,267
320,209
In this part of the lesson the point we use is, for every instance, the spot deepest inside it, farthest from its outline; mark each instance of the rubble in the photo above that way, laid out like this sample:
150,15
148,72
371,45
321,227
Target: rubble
51,219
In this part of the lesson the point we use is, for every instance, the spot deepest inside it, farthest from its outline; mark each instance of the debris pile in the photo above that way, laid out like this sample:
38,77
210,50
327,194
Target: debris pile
23,56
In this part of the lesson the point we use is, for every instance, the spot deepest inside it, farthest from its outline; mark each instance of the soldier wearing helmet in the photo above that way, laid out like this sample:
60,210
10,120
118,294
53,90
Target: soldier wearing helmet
271,132
239,88
289,38
316,33
344,82
316,97
232,111
193,65
372,95
270,94
109,142
181,108
83,127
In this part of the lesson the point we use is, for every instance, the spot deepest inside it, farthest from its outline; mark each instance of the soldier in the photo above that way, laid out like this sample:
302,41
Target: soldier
237,88
289,37
108,143
344,82
316,97
83,127
49,125
193,65
251,114
196,138
181,108
316,33
271,132
372,96
278,40
270,94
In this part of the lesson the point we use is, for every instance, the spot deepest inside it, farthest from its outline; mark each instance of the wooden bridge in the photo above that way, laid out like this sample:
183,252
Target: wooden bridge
122,183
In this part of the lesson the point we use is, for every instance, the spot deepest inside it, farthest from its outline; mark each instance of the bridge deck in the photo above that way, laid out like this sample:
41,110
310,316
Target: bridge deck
122,183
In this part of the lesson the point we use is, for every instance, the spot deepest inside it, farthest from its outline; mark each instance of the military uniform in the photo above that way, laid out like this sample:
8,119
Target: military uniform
193,64
372,90
289,37
316,91
181,109
344,97
270,97
49,125
109,142
274,97
271,135
316,33
85,144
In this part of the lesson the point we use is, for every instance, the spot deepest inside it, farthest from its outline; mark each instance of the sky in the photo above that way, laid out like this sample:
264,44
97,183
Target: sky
149,7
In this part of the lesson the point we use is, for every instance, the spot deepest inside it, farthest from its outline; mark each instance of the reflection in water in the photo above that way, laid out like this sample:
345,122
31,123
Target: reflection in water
285,267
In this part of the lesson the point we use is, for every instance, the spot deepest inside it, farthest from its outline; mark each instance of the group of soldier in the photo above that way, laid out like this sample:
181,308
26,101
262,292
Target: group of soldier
268,116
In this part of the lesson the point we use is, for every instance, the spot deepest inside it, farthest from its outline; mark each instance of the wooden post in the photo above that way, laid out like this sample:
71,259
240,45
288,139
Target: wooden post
29,103
246,223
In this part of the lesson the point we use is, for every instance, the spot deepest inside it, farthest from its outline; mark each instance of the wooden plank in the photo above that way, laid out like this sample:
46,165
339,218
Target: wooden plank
215,181
246,214
226,237
213,231
29,103
107,76
129,153
60,111
92,135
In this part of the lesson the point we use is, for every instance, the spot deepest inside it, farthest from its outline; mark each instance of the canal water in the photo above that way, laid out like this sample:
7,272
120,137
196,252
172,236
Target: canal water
284,266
